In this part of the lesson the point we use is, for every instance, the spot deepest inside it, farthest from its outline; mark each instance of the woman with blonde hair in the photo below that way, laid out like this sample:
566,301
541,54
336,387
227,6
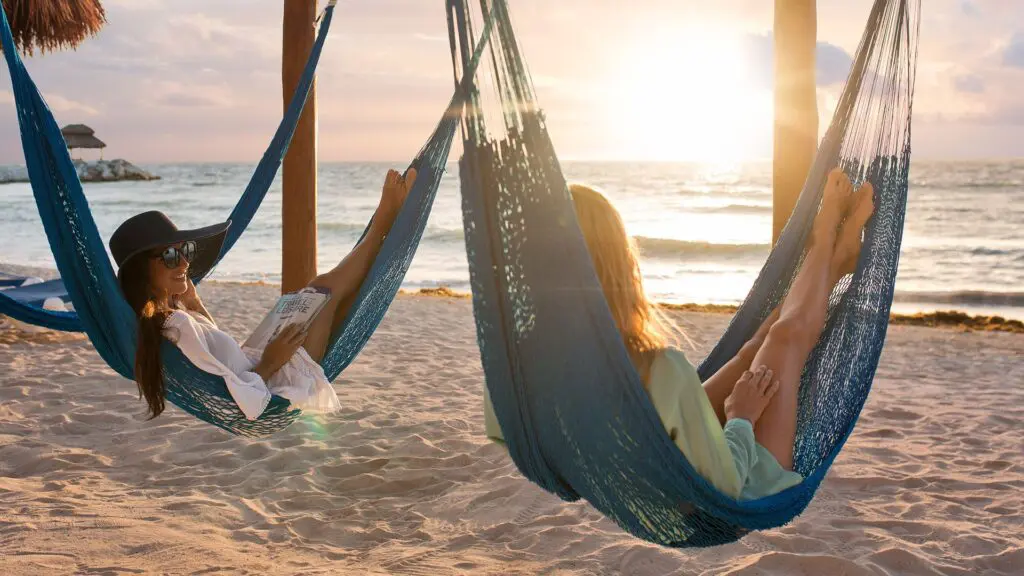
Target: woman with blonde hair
738,428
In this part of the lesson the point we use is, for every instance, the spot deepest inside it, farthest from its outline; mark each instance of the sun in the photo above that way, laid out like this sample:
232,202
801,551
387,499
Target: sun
688,94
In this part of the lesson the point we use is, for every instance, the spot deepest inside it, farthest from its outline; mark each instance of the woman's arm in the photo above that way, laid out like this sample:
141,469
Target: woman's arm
247,388
719,386
191,301
278,351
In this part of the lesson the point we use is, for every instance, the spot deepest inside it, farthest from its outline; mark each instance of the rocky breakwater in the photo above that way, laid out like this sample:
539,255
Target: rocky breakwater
99,171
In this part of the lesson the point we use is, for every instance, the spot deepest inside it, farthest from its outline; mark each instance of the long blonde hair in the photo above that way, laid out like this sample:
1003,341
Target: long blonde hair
644,329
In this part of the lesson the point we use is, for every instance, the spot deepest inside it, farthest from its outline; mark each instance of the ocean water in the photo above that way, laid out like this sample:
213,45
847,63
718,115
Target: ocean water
704,231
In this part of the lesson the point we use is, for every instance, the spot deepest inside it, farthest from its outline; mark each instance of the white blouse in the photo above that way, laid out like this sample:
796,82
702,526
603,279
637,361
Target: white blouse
301,380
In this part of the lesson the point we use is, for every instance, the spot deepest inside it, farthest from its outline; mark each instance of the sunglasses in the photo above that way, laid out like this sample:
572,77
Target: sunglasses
172,255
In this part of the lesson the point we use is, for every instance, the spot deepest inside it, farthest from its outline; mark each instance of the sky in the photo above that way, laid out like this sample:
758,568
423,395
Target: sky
200,80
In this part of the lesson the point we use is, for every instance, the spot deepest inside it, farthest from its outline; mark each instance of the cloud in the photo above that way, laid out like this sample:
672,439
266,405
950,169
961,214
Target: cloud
59,104
197,39
969,83
1014,53
832,63
208,28
206,76
186,95
134,4
182,100
1008,115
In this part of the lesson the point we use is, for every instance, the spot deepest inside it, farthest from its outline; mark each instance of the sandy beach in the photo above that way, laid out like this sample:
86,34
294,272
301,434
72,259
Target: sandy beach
702,124
403,481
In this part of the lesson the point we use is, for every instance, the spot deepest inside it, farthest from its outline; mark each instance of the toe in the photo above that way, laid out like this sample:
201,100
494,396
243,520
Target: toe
865,205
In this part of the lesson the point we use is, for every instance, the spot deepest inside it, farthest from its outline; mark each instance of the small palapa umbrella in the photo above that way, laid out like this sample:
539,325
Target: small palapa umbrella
48,25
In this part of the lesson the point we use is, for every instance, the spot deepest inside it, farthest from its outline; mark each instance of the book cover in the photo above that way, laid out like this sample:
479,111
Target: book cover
299,307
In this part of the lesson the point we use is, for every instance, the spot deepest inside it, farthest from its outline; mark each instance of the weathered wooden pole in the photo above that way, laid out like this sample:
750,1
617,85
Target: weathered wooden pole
796,110
298,173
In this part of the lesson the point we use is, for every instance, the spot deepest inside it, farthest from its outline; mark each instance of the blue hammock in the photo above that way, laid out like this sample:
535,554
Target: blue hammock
243,212
570,404
25,304
35,292
109,322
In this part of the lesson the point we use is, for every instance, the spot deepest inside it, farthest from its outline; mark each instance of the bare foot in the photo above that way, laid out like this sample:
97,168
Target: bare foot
834,201
848,243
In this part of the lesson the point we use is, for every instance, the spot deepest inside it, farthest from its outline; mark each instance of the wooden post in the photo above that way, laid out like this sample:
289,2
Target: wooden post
796,109
298,175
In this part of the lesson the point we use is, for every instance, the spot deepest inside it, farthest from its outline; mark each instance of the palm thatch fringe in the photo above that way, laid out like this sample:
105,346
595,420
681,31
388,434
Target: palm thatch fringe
49,25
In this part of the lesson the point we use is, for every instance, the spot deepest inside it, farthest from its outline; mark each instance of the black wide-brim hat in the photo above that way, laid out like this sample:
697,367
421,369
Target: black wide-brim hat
148,231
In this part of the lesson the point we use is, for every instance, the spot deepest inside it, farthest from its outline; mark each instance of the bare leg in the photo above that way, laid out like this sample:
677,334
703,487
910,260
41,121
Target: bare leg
844,261
345,279
343,307
848,244
719,386
802,317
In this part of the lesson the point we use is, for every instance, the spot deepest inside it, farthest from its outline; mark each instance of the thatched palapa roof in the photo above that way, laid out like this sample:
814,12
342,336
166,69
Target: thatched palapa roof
48,25
81,136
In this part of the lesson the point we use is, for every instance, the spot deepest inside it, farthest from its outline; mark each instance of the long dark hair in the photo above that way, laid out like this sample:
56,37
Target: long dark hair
135,283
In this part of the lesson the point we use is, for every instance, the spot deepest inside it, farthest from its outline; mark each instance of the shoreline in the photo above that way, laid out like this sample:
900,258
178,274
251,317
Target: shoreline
937,319
952,318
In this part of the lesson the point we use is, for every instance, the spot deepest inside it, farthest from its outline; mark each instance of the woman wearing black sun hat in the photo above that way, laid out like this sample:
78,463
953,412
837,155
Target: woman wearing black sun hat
157,264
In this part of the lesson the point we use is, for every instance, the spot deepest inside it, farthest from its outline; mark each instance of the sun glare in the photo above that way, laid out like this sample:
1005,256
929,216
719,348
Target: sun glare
688,95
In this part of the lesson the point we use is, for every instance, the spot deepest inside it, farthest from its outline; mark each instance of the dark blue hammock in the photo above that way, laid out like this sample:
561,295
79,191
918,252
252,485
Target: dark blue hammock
243,212
35,293
25,303
109,322
570,404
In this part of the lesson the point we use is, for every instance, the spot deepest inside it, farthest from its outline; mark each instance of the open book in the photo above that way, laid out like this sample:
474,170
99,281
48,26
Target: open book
299,307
